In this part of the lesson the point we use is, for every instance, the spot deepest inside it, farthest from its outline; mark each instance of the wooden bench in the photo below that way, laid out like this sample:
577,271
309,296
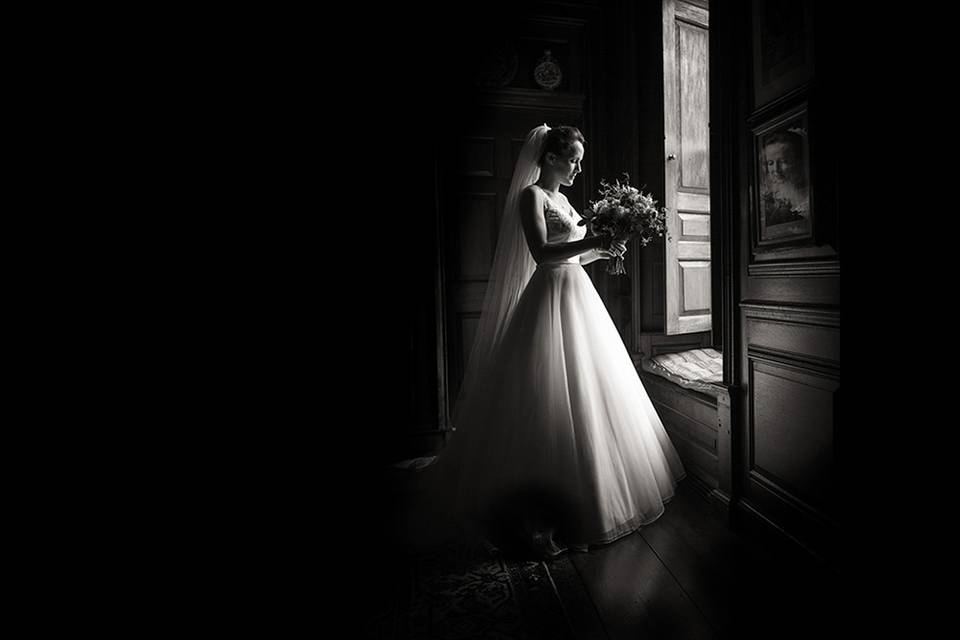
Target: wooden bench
698,423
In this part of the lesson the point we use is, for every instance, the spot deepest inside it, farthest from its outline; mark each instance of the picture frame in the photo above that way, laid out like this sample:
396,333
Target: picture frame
783,47
783,211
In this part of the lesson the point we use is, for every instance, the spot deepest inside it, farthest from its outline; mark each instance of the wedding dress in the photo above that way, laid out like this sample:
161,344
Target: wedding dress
555,427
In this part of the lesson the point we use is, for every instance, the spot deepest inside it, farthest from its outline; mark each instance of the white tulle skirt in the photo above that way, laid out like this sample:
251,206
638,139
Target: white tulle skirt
560,424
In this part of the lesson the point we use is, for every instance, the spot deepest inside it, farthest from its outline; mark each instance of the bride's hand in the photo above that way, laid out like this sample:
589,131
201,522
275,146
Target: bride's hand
613,250
615,247
605,254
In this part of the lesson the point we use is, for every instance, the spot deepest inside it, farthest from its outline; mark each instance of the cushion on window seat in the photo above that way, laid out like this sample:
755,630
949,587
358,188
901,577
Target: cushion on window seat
697,369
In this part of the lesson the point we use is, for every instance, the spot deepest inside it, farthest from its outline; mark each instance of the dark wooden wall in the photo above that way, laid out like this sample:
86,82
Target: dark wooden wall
782,302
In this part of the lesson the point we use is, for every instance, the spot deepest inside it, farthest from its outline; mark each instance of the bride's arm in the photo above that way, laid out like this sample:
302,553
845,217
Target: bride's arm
615,249
594,255
535,231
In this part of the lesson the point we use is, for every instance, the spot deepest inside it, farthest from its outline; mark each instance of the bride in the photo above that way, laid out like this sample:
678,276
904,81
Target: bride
556,441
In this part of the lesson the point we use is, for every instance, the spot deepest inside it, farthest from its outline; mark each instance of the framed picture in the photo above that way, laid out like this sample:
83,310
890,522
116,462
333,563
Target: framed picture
784,195
783,47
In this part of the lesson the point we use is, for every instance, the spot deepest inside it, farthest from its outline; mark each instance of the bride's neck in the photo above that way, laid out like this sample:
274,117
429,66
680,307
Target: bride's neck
550,186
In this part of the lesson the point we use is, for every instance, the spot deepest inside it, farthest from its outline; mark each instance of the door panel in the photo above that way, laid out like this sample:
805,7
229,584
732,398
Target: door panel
687,167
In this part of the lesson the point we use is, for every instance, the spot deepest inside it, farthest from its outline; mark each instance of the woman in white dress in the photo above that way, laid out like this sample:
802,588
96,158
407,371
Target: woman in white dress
555,437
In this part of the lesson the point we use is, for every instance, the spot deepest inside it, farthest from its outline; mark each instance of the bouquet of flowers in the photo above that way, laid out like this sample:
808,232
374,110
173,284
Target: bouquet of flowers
624,211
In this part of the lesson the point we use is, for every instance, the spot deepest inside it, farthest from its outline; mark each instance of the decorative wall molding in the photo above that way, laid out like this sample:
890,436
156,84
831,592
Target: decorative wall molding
800,336
655,344
750,516
819,269
819,315
807,363
789,419
782,103
518,98
772,484
719,500
478,156
560,21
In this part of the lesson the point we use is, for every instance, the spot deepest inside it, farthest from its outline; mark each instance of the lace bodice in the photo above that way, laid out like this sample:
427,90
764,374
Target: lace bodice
562,225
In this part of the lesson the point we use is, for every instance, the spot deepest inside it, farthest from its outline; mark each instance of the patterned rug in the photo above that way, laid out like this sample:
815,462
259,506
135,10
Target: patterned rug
456,594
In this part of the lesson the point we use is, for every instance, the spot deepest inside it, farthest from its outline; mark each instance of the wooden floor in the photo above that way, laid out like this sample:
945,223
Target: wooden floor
688,575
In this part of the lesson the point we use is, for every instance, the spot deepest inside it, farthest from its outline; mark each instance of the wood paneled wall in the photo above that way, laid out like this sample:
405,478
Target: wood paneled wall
782,309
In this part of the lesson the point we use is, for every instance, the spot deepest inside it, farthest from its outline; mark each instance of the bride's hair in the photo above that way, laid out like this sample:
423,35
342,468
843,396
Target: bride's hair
560,141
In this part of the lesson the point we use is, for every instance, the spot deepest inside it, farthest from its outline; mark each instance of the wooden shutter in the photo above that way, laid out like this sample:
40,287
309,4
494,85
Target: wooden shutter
687,166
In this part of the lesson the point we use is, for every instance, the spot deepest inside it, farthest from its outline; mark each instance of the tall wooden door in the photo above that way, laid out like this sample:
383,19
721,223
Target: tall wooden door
687,166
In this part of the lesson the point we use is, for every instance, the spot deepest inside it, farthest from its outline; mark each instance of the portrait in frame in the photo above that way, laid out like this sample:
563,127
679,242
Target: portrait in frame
784,213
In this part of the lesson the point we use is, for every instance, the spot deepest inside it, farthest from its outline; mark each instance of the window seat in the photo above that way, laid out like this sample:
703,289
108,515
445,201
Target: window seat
697,369
687,391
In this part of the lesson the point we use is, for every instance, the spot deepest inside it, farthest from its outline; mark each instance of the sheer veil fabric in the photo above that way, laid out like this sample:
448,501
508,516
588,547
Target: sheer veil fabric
512,267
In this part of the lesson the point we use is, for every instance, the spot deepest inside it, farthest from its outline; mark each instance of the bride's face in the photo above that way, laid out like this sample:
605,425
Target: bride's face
568,166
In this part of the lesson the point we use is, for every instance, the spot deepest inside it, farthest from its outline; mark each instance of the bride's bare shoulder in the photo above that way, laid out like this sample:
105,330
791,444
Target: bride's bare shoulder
533,190
530,197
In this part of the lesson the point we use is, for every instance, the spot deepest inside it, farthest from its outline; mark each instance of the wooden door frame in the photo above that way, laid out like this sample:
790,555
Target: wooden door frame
725,87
